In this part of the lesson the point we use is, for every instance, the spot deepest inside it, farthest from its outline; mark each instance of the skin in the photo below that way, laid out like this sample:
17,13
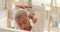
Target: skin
23,21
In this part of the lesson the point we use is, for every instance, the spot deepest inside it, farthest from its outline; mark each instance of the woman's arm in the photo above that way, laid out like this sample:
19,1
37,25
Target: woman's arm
33,18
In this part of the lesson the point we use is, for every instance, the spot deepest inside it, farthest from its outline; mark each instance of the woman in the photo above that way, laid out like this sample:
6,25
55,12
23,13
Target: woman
24,20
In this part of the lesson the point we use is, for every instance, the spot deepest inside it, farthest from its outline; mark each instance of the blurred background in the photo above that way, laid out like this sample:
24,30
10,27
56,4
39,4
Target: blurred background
47,11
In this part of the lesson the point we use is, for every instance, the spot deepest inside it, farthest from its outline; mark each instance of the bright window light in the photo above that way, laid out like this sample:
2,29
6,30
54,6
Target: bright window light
59,25
45,31
17,0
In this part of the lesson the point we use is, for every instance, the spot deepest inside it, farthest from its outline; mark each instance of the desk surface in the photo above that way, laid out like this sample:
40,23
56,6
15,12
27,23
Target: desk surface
10,30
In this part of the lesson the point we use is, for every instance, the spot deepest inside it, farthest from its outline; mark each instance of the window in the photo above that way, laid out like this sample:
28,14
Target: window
6,3
0,4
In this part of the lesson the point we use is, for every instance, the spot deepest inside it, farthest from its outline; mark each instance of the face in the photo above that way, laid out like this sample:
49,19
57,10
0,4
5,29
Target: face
23,22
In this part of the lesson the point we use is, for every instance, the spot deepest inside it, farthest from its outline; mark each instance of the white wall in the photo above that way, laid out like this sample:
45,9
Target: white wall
38,2
3,18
